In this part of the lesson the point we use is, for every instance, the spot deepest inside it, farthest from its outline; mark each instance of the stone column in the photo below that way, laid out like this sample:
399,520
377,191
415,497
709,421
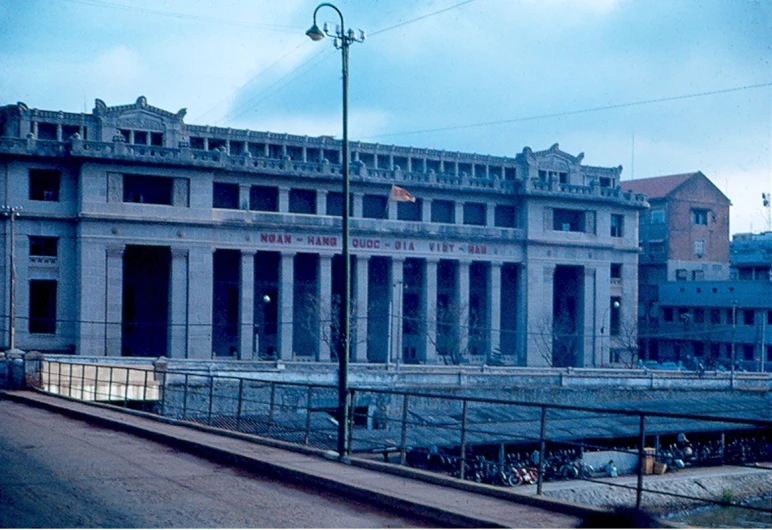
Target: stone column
540,286
284,200
178,304
247,306
426,210
358,200
494,307
286,315
459,213
321,201
395,315
521,325
391,209
325,307
490,214
464,320
114,299
92,278
359,326
588,356
244,191
200,294
429,312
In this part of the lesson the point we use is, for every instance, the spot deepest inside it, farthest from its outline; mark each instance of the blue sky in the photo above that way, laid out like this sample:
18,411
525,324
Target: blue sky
484,76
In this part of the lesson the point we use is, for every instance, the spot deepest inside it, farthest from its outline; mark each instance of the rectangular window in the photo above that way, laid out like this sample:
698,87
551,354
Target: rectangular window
302,201
617,225
699,315
140,137
474,213
681,275
748,351
698,275
749,317
46,131
568,220
657,217
715,316
43,246
616,271
44,184
510,173
157,139
335,204
147,190
667,314
225,195
409,211
700,217
196,142
42,306
443,212
699,247
374,206
264,199
504,216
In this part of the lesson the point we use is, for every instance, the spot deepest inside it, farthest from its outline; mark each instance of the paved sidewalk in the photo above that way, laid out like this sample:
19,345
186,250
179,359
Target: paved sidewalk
449,506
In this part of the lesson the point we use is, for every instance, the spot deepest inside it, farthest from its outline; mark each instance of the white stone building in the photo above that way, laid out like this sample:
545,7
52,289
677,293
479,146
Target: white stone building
143,235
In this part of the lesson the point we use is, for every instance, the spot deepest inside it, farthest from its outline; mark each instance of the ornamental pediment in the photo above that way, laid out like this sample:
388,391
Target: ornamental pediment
140,121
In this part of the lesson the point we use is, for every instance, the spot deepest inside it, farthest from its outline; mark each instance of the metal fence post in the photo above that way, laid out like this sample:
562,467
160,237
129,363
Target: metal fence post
270,408
126,390
403,442
542,450
110,386
641,456
462,468
59,369
238,412
211,397
350,420
96,383
69,388
82,382
144,388
163,394
185,399
308,415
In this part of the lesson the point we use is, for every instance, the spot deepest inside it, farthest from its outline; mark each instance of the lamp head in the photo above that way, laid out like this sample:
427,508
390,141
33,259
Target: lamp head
314,33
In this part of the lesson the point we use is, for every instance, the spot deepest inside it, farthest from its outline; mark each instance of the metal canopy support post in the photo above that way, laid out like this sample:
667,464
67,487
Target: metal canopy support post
641,457
542,449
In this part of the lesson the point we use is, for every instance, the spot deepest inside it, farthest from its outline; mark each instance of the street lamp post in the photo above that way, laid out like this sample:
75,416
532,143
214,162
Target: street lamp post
12,212
342,41
615,305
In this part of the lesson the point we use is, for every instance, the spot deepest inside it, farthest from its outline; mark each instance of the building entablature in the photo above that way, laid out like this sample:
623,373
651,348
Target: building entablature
724,294
142,133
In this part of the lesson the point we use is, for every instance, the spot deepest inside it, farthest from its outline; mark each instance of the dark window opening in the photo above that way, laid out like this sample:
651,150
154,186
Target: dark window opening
504,216
196,142
216,144
617,225
699,315
335,204
46,131
715,316
616,271
42,306
667,314
374,206
156,139
146,273
264,199
44,184
409,211
43,246
225,195
443,211
749,317
568,220
302,201
69,130
474,214
510,173
140,137
700,217
147,190
615,316
225,302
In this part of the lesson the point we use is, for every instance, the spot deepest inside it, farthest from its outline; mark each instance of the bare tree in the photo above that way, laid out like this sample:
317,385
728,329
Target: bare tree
627,344
324,322
457,334
556,340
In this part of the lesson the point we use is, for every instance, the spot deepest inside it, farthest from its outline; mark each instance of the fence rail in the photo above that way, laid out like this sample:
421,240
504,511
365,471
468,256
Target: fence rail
497,441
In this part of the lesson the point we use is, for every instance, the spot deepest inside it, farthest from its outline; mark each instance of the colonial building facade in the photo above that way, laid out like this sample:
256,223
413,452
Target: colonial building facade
140,234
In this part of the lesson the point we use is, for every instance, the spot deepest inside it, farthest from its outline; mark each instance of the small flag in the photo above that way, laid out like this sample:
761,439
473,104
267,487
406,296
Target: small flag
401,195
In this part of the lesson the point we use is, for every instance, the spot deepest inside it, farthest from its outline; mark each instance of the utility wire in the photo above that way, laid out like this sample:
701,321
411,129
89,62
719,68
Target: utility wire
184,16
574,112
422,17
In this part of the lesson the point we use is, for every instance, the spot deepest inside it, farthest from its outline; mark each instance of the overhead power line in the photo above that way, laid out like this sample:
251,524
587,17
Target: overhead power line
573,112
422,17
185,16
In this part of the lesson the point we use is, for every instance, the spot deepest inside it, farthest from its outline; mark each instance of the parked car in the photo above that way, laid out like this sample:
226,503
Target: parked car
669,365
651,365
